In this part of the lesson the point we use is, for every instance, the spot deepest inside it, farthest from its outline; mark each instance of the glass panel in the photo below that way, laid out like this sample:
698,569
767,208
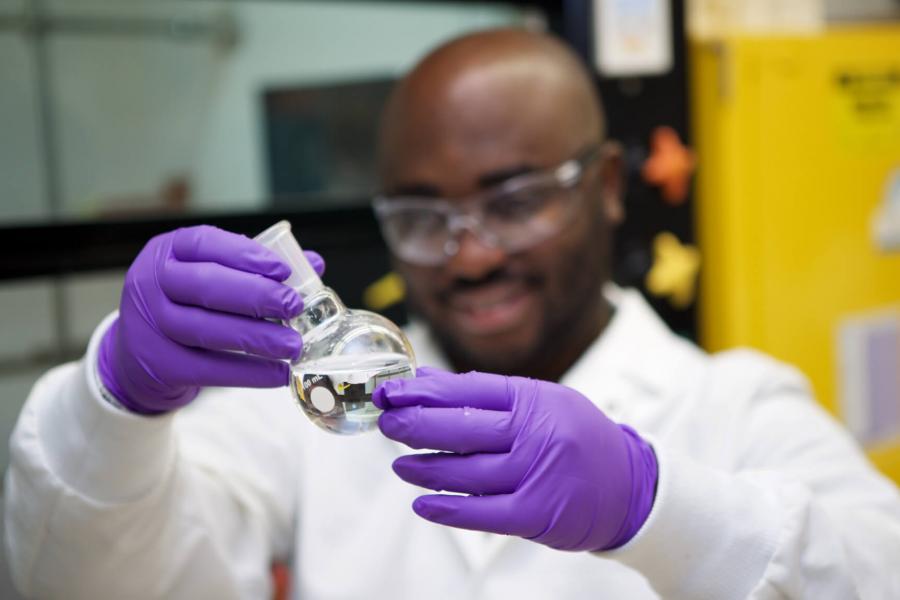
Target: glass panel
172,107
22,194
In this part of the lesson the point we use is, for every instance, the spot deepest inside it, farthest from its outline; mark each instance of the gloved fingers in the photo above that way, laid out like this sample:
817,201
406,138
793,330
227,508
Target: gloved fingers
205,243
427,371
477,474
494,514
476,390
316,261
222,288
460,430
201,328
204,368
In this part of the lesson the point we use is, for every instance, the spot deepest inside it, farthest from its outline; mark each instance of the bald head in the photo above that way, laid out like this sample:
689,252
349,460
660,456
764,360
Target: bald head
498,88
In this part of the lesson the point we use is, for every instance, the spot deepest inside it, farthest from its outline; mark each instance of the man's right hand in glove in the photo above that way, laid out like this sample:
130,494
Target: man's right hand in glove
192,314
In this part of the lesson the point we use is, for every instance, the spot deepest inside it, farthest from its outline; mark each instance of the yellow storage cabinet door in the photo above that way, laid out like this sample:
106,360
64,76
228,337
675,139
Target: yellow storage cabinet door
797,138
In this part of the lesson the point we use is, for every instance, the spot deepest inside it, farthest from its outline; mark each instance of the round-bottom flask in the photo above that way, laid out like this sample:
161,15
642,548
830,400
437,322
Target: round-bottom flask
344,361
346,353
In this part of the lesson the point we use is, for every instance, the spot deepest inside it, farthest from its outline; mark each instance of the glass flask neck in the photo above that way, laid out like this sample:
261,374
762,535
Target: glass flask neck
321,311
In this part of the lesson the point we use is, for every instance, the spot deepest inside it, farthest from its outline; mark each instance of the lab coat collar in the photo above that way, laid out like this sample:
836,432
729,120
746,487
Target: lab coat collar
633,358
636,356
634,352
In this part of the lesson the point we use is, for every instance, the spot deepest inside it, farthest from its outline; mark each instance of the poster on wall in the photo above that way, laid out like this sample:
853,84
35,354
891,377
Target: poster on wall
632,38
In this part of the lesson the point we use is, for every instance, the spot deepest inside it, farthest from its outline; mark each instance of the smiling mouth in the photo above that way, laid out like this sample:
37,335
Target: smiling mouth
492,308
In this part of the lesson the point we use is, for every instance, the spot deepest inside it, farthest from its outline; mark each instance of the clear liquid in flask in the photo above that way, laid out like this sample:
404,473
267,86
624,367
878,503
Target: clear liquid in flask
335,392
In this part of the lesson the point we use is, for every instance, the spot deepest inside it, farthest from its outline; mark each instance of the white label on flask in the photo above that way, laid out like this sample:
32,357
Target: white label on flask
322,399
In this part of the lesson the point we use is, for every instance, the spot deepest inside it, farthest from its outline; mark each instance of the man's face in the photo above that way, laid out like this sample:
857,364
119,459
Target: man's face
491,309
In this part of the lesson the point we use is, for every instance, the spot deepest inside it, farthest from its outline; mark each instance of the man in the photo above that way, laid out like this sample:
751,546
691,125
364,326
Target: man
650,470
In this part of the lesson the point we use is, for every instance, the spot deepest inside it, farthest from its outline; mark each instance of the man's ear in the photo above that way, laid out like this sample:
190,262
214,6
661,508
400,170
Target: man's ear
612,181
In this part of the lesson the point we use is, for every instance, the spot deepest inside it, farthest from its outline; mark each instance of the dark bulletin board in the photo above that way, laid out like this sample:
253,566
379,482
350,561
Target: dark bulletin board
321,138
635,107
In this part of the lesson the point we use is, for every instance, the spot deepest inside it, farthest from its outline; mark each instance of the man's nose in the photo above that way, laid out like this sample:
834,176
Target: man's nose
474,257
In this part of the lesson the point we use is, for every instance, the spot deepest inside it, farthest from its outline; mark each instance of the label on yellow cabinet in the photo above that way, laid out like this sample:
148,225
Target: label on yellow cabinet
867,106
886,223
869,368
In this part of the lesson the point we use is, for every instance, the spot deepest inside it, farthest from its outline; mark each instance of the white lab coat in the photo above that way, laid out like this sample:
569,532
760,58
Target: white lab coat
760,493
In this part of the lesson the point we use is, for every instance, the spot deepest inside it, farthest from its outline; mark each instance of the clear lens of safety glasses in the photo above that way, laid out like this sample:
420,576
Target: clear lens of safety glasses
426,231
515,215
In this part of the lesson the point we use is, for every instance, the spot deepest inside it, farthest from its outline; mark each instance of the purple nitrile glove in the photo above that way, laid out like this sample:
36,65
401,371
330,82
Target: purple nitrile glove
538,459
192,298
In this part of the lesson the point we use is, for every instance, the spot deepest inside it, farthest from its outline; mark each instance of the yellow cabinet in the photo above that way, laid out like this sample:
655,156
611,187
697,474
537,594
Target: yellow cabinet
798,138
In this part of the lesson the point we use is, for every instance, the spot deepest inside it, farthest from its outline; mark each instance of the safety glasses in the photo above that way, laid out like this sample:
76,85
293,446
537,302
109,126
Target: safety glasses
516,214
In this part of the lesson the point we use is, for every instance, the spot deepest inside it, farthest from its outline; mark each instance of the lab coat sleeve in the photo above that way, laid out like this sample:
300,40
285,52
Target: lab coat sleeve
101,503
802,515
